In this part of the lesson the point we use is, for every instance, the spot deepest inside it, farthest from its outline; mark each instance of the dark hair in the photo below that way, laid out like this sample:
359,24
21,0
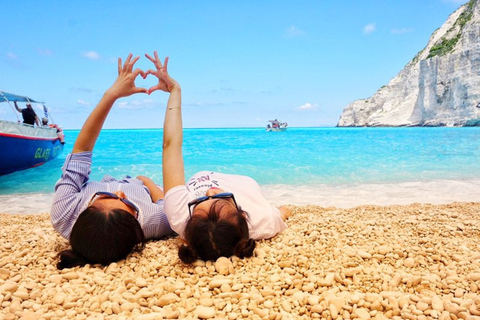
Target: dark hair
101,237
211,236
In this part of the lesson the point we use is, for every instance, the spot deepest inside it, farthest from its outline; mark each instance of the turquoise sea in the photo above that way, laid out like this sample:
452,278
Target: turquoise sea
325,166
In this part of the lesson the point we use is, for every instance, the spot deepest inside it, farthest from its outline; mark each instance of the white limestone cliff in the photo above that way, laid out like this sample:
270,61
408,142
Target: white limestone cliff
439,87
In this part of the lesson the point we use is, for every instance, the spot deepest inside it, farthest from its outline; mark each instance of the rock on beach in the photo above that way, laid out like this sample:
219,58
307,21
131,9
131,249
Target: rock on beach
417,261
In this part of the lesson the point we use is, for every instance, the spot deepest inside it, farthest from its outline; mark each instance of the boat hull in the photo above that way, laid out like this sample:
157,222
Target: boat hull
276,129
25,146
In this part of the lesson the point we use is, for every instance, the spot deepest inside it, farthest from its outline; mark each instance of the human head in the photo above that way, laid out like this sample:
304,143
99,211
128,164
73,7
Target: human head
220,232
100,236
29,105
44,121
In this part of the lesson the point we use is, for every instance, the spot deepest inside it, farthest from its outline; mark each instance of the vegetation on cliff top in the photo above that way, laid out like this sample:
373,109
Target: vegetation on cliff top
445,45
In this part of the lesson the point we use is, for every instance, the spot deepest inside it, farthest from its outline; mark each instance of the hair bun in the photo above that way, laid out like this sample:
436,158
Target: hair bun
244,248
69,259
187,254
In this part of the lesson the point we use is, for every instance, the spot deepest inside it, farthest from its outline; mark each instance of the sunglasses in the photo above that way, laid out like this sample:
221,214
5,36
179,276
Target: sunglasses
224,195
106,194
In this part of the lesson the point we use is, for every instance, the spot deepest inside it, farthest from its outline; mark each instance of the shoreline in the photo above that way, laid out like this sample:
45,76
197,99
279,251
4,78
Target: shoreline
340,196
419,261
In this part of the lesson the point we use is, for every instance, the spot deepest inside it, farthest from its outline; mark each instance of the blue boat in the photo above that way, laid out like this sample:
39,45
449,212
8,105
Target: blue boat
25,146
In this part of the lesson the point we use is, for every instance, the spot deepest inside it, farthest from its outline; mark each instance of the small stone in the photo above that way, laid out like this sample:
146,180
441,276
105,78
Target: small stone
70,275
459,292
224,266
150,316
59,299
286,306
204,312
475,276
218,282
437,304
9,286
141,283
21,294
56,278
363,254
384,250
409,263
4,274
362,313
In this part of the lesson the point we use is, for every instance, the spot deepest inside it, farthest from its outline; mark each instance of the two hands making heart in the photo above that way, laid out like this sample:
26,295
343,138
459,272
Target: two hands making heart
125,83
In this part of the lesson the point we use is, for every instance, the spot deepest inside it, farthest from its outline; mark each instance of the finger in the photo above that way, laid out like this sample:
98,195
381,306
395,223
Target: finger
149,58
119,65
165,64
132,63
125,66
156,57
139,89
150,71
137,72
154,88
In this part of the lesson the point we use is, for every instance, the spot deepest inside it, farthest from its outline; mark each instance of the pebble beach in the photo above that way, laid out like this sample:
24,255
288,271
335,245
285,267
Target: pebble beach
418,261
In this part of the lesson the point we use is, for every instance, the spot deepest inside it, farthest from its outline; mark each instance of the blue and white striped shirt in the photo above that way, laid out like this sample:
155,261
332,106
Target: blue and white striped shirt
73,192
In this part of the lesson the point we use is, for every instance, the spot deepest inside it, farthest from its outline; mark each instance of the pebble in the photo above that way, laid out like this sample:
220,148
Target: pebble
204,312
358,263
409,262
224,266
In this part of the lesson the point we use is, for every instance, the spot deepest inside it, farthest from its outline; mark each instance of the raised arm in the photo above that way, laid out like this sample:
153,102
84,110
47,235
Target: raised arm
124,86
17,107
172,158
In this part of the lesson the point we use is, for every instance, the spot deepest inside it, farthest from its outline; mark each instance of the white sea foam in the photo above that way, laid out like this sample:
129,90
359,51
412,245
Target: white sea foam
342,196
346,196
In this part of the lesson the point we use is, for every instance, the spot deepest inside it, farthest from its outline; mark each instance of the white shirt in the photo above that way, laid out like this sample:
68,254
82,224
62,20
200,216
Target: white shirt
264,219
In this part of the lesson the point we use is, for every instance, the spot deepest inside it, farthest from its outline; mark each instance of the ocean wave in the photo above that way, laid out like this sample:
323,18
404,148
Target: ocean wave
341,196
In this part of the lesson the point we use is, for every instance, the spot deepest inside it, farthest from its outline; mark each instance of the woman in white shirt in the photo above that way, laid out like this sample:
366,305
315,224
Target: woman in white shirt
215,214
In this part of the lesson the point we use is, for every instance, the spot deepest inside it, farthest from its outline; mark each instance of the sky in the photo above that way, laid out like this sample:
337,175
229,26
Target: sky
239,63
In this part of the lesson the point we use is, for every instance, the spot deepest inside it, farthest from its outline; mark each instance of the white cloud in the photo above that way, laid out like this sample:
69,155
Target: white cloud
402,30
92,55
293,32
12,56
13,59
83,102
204,104
136,104
44,52
307,106
369,28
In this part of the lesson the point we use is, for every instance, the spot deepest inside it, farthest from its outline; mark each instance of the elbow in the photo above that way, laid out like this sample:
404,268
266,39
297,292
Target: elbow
171,144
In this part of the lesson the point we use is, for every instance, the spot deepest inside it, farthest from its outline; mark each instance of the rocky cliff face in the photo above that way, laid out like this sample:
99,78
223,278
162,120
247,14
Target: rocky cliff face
439,87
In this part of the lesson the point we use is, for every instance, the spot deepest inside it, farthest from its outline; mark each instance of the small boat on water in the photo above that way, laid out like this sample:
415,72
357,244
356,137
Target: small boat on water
23,145
276,125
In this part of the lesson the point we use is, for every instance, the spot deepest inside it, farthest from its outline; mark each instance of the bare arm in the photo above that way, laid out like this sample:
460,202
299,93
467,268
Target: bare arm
16,106
37,121
155,192
172,158
124,86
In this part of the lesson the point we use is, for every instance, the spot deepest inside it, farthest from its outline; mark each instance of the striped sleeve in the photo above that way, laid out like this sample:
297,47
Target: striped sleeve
68,192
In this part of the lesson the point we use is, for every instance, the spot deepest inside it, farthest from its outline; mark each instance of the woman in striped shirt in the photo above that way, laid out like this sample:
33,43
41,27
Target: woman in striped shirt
105,220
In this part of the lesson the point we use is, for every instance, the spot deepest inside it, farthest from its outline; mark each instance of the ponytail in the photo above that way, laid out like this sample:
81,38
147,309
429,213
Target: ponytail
70,259
244,248
187,254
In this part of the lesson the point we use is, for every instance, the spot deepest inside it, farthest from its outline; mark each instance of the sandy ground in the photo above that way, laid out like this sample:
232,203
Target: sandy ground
403,262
